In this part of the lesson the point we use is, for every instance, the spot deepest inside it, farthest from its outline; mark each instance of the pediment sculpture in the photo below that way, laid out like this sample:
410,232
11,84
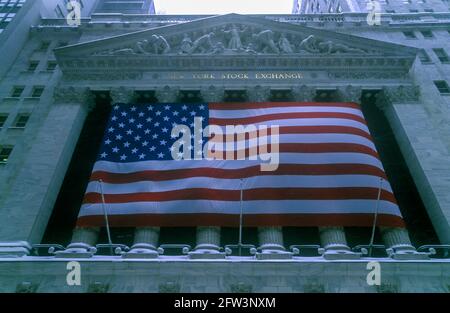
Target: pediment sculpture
231,40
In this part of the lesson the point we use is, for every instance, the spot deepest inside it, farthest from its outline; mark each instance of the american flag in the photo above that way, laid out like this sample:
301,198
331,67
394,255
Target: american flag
329,171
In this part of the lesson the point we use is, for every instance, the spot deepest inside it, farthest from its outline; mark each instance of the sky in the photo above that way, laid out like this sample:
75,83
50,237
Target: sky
223,6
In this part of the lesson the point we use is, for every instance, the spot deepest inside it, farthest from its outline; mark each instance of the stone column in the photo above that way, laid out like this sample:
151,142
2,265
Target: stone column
334,242
82,244
333,238
121,95
399,245
208,244
208,237
397,239
271,244
146,239
145,244
270,238
29,197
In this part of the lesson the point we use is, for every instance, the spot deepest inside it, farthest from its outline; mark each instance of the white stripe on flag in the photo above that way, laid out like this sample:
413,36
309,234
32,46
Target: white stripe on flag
250,207
297,138
255,112
285,158
287,181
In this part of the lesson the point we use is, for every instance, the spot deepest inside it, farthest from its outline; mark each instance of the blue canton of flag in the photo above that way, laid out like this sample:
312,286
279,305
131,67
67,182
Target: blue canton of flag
141,132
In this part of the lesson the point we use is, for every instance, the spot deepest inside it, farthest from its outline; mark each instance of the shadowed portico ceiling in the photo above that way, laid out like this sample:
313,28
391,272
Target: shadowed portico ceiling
232,42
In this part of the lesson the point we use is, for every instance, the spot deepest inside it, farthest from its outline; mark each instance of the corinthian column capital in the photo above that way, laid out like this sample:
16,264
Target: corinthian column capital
304,93
166,94
212,94
70,94
121,95
259,94
400,94
350,93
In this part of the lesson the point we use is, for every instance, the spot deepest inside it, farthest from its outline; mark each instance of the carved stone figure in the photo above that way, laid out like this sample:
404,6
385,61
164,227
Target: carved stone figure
284,44
230,42
203,44
138,48
186,44
330,47
251,48
235,41
264,42
160,44
309,44
219,48
124,51
141,47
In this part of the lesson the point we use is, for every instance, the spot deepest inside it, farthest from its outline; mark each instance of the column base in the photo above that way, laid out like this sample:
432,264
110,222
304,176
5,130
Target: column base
340,252
15,249
141,251
273,252
76,251
206,252
406,252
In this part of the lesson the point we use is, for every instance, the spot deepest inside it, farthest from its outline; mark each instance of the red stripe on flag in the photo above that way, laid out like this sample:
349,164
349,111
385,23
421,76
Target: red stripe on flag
283,169
284,116
301,148
283,130
338,193
265,105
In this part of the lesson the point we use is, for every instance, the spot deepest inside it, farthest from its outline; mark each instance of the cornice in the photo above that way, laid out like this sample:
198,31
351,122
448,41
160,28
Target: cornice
329,18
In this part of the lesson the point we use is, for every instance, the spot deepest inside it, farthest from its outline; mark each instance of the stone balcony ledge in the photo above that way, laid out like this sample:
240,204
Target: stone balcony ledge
120,275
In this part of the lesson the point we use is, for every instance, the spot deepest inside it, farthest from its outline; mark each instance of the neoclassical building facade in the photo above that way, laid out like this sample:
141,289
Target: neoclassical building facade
397,71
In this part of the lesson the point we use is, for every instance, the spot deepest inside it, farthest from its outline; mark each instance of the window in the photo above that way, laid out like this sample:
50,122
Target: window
32,66
5,151
37,91
442,86
21,120
51,65
409,34
3,118
413,11
427,34
44,46
441,54
428,10
17,91
423,57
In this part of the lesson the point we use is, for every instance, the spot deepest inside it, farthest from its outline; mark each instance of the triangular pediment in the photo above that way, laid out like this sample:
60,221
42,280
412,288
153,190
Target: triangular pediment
236,37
